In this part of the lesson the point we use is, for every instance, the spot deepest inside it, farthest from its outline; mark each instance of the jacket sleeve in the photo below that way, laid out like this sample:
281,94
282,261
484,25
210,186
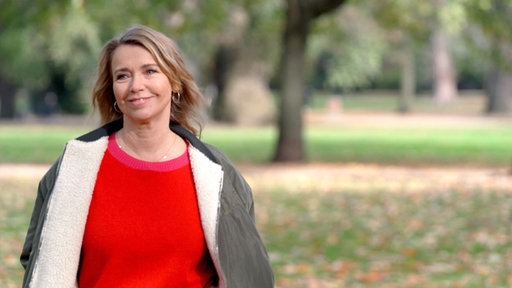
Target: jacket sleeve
242,252
36,221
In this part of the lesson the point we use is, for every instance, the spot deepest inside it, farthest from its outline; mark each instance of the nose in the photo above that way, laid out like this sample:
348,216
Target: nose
137,83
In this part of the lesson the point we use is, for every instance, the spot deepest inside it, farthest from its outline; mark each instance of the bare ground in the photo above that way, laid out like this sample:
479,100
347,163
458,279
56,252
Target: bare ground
327,178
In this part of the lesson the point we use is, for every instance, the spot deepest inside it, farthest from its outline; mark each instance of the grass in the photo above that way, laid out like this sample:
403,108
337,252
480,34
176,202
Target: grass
379,239
412,146
398,143
461,145
468,102
34,143
371,144
16,202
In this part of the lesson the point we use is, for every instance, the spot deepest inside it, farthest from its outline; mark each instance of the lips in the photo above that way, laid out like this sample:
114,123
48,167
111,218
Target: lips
138,101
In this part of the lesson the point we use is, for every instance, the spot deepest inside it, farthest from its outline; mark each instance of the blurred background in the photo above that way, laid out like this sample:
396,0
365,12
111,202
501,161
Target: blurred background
376,134
439,49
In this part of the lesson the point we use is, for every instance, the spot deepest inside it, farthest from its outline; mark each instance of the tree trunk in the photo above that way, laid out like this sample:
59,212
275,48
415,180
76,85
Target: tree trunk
499,81
290,145
223,64
225,58
299,14
445,86
7,100
408,81
499,92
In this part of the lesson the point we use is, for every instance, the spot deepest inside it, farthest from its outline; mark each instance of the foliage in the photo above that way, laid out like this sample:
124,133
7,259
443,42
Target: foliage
350,56
56,45
405,17
15,53
493,19
46,46
390,237
263,38
22,45
74,45
59,40
374,35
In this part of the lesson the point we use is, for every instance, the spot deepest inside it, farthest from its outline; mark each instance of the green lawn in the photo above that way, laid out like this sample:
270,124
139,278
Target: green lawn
34,143
412,146
468,102
397,143
388,145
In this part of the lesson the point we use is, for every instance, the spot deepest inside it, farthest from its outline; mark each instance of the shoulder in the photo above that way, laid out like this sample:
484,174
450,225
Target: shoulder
223,159
218,154
233,178
102,131
213,153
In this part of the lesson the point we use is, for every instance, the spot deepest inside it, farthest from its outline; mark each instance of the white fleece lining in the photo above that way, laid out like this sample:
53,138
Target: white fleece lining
208,181
62,234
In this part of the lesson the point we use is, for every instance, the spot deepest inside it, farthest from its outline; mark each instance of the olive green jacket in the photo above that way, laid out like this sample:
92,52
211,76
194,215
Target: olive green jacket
51,253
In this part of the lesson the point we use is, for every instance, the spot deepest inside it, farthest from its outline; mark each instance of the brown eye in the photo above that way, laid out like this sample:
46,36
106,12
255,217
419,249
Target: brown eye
121,76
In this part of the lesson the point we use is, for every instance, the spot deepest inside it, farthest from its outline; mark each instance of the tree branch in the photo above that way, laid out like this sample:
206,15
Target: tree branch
320,7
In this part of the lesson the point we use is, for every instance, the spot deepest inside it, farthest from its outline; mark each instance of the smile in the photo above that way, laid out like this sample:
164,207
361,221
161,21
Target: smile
139,101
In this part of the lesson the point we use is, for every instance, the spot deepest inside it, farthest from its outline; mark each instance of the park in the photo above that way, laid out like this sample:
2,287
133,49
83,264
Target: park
376,135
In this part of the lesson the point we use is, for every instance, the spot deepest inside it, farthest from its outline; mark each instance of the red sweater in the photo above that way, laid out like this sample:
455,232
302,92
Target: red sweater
144,227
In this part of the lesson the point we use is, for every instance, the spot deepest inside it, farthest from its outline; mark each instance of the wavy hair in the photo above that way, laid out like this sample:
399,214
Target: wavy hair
186,111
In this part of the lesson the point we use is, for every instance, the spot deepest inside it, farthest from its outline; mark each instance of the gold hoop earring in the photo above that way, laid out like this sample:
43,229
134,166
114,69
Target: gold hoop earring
116,107
176,97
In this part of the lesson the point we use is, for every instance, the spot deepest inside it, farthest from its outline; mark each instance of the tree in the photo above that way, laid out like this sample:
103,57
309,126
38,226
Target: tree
349,56
7,100
50,47
53,48
445,84
411,25
299,16
243,63
408,79
493,19
22,65
406,25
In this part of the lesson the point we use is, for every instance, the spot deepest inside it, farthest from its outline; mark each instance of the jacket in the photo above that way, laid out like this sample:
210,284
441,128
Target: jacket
51,252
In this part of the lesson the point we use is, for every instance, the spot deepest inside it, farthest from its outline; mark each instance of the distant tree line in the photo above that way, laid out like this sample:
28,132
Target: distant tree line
240,50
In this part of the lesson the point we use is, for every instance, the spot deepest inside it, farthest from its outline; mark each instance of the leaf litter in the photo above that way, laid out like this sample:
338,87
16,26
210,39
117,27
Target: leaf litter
348,225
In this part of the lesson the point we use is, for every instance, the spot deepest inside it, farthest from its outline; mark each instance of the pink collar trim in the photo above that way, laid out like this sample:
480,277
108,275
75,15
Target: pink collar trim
138,164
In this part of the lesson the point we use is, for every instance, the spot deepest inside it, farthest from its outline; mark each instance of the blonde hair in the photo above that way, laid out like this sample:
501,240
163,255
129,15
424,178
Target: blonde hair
186,110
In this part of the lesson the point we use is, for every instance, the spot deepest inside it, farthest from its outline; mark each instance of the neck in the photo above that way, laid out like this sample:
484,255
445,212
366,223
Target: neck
149,142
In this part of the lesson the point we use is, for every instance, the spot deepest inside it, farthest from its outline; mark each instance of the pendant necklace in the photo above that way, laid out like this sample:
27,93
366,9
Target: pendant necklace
163,158
170,147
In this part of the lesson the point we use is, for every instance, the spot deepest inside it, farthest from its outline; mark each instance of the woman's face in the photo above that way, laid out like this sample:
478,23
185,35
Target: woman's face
142,91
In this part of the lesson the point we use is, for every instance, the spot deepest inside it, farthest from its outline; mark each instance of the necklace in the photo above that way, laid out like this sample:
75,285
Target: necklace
163,158
168,150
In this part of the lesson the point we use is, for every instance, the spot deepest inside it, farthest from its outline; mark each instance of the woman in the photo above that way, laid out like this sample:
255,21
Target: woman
142,202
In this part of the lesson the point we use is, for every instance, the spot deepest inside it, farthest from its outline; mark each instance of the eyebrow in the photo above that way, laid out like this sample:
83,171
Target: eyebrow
143,66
